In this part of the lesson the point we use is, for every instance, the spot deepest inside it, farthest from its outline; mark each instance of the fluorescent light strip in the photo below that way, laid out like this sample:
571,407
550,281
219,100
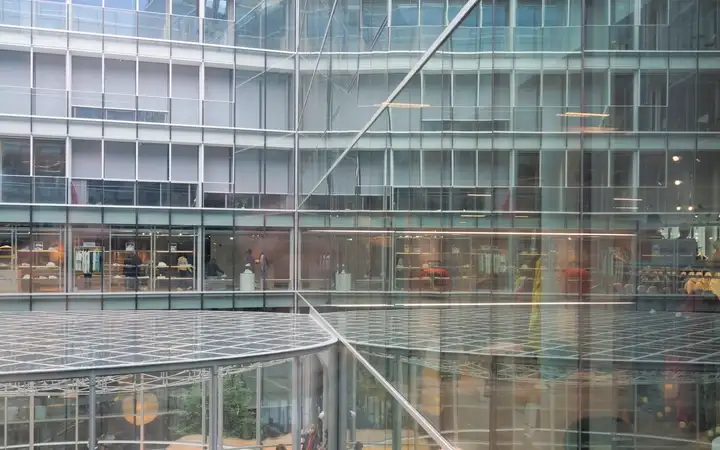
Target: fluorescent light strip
403,105
470,216
479,195
463,304
582,114
472,233
627,199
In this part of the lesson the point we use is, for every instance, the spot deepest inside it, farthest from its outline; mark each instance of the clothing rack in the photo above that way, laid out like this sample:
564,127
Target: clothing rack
89,260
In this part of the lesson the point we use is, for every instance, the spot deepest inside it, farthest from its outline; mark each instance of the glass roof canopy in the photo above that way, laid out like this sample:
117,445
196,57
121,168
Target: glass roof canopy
569,333
40,345
58,371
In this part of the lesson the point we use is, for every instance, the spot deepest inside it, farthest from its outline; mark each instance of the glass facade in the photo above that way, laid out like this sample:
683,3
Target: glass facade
201,142
362,155
177,146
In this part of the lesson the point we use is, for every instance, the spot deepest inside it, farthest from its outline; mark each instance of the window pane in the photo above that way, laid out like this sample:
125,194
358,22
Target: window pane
405,14
528,169
50,157
432,13
15,156
652,169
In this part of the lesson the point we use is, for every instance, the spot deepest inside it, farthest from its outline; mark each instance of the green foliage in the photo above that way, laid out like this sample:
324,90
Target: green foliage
238,410
238,417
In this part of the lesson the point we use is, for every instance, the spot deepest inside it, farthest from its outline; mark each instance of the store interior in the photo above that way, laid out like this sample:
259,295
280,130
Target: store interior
154,259
109,259
512,261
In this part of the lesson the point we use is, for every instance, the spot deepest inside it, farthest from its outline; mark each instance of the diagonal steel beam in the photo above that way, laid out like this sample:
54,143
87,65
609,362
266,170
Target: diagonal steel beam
317,62
416,68
432,432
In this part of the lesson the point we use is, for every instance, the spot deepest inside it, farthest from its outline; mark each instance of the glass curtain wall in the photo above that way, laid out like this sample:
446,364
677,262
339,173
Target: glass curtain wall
584,160
262,407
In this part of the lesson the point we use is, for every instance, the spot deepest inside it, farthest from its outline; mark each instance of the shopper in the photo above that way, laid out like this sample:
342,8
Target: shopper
212,269
311,441
185,272
131,270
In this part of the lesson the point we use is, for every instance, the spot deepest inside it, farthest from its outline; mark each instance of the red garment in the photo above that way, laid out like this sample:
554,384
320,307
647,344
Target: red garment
440,276
576,281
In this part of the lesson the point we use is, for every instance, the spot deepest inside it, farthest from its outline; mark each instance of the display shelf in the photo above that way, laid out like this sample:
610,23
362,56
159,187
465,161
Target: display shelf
442,263
41,269
8,271
174,261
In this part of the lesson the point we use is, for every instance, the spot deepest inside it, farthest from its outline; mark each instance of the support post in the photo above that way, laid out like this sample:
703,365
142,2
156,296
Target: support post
330,422
92,414
214,407
397,410
414,400
343,398
296,403
258,404
353,398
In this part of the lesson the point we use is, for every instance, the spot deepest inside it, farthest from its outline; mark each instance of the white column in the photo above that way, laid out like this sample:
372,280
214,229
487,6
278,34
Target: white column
198,201
201,93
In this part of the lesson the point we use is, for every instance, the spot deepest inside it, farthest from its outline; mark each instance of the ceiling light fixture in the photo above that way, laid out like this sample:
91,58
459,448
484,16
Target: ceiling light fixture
403,105
627,199
478,195
676,158
419,233
582,114
678,182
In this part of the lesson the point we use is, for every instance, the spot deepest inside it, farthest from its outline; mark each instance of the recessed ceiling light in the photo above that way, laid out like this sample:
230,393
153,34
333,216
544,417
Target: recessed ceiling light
676,158
678,182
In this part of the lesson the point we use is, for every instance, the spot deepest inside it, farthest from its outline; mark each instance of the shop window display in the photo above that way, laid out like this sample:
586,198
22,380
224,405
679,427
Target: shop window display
220,259
504,262
247,260
270,254
32,260
152,260
174,264
345,261
39,260
444,263
8,274
90,251
130,260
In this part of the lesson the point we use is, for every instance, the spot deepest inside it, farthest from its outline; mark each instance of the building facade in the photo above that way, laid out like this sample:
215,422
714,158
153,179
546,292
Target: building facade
165,154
